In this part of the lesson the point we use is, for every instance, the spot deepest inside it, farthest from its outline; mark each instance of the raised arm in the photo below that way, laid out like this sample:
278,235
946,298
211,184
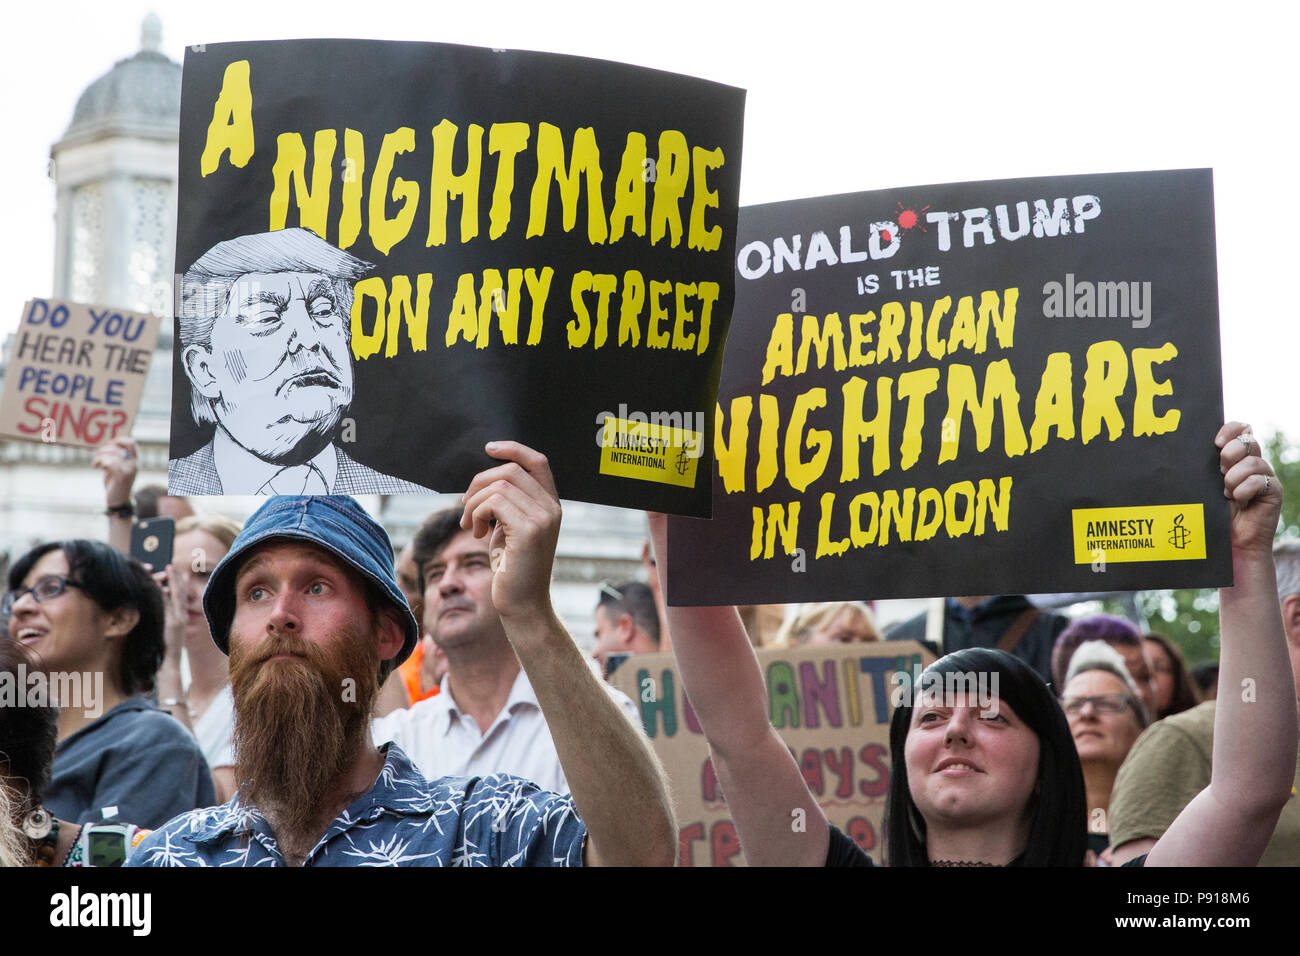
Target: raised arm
759,776
617,785
1253,765
117,458
172,697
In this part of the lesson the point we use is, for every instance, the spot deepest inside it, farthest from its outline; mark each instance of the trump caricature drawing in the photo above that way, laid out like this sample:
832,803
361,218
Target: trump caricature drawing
265,343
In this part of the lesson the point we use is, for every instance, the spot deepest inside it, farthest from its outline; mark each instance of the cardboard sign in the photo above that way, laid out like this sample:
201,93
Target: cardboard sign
982,388
832,706
76,373
394,253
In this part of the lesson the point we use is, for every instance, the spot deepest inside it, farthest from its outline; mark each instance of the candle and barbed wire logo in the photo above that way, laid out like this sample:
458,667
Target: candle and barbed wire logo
1179,536
660,446
683,460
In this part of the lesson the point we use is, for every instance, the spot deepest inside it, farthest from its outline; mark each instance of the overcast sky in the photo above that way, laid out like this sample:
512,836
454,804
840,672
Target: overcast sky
840,98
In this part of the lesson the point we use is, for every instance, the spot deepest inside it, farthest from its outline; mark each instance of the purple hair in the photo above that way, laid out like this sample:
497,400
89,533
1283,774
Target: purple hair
1115,631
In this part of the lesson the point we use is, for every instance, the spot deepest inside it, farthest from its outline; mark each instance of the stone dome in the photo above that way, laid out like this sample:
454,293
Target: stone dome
140,95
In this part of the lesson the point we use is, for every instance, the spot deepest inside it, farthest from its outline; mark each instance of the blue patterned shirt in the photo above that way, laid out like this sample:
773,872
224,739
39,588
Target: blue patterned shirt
404,820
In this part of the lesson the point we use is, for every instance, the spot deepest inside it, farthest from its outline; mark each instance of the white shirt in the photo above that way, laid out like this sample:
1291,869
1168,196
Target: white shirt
243,473
444,742
215,729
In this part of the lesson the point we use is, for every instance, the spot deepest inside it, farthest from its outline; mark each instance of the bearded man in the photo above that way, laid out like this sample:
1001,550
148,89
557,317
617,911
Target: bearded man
307,605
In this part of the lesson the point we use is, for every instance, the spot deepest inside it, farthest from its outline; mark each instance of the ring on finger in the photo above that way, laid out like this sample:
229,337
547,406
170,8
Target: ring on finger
1245,439
1267,484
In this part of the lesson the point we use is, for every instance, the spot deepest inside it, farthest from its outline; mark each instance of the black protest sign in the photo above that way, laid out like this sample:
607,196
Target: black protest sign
394,253
980,388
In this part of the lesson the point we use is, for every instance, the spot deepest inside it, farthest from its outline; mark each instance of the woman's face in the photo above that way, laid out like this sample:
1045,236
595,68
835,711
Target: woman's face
1162,668
64,633
196,555
967,766
1100,737
845,628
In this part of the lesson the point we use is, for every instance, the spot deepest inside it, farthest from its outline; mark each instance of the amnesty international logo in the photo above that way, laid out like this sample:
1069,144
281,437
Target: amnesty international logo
648,451
1179,535
683,461
1139,533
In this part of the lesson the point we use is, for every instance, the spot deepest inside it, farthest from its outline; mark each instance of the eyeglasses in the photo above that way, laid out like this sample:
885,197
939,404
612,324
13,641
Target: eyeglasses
45,589
1102,704
607,588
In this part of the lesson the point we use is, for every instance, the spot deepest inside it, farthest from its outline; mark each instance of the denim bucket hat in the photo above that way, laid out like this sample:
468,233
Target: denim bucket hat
333,522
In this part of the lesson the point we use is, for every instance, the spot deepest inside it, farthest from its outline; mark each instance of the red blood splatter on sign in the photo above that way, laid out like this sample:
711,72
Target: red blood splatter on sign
885,235
910,218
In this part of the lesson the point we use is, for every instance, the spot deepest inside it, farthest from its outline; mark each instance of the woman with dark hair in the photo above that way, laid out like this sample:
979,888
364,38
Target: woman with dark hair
997,781
1028,728
1175,690
92,619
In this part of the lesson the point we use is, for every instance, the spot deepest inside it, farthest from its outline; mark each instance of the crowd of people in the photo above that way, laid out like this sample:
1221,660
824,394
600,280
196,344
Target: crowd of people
293,692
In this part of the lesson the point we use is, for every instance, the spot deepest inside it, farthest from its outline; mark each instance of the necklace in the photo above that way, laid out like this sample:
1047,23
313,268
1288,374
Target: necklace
962,863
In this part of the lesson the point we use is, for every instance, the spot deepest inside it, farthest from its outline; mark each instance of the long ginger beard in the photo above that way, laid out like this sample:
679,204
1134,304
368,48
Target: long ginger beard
298,728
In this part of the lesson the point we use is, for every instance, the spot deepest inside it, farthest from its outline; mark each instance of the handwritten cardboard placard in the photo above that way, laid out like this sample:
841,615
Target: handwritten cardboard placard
76,372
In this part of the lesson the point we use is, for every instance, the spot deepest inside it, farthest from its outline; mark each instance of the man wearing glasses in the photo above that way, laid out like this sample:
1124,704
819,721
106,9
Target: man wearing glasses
486,718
